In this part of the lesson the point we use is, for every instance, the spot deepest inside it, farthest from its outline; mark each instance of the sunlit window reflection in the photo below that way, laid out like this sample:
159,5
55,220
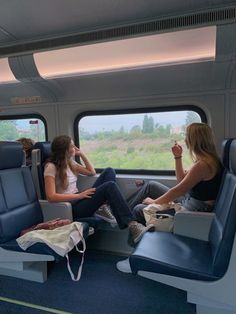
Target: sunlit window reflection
6,75
162,49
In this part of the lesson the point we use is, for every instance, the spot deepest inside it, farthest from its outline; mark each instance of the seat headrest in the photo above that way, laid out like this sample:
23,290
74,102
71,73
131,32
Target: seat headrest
232,157
225,152
45,150
11,155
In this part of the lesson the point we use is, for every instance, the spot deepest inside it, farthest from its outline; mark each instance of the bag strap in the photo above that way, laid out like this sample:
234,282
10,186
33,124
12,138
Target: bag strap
77,278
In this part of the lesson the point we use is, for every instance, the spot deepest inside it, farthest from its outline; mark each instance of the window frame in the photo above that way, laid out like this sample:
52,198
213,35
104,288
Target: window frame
147,110
27,116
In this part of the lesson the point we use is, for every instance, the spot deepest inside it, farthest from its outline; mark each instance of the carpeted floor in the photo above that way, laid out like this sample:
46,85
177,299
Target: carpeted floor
101,290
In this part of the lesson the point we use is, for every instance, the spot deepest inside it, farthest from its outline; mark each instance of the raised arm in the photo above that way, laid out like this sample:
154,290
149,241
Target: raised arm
88,168
179,171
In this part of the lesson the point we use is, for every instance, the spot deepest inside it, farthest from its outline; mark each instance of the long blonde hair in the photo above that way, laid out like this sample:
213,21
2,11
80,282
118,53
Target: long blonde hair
61,158
201,144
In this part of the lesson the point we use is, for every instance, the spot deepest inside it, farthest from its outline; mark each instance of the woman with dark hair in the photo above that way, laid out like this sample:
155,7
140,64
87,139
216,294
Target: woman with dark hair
28,145
61,172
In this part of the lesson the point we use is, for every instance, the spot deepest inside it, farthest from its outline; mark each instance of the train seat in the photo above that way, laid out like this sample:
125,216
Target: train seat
107,237
205,269
40,154
197,224
20,209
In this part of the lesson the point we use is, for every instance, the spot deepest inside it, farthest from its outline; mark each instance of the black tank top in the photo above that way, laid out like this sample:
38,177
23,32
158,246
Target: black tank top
207,190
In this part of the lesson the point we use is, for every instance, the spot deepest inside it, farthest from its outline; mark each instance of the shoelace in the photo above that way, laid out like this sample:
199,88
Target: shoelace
108,212
136,228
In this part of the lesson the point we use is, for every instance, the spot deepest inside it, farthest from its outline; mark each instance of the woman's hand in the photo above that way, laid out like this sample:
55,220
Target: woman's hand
177,150
148,201
78,151
87,169
87,193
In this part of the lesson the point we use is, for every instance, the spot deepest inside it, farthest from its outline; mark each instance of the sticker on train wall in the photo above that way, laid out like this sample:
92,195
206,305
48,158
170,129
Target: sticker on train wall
25,100
34,122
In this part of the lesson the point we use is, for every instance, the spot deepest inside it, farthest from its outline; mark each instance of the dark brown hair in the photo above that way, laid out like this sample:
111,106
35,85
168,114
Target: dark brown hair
28,145
60,157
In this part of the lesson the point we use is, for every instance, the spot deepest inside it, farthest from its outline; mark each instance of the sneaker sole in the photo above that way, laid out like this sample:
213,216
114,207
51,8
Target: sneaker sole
111,221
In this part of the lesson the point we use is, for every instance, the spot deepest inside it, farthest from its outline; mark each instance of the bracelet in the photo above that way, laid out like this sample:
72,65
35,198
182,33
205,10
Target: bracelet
178,157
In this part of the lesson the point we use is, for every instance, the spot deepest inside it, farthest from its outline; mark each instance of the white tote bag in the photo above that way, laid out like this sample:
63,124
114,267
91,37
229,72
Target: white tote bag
161,216
61,240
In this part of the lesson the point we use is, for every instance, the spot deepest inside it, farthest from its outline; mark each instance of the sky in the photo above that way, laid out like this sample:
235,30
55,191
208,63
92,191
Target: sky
24,123
93,124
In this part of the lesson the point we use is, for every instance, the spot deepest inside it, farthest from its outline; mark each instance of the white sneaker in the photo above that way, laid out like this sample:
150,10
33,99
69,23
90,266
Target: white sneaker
124,266
137,230
105,213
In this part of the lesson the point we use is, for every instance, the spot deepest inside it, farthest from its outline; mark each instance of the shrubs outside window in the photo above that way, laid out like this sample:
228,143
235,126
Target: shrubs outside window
14,128
135,141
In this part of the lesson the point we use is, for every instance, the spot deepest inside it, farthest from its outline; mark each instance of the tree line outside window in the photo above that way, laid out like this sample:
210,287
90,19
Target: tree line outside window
145,146
11,130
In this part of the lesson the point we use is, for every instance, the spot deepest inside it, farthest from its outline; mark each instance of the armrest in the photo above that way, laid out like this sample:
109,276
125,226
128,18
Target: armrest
56,210
193,224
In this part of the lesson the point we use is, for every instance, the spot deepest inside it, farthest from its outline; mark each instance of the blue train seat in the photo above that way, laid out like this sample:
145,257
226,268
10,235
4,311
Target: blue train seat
40,154
205,269
19,210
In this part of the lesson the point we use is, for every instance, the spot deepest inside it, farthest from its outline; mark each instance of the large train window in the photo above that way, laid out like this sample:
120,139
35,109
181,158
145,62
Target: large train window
134,141
15,127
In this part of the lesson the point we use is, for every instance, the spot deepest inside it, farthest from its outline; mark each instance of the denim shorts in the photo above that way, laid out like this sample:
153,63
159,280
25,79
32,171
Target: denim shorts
193,204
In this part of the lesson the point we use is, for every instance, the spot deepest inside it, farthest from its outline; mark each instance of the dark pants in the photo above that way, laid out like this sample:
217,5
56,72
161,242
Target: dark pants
106,191
151,189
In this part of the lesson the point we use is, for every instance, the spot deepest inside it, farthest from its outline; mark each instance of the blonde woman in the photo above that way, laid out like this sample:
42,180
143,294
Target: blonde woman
196,189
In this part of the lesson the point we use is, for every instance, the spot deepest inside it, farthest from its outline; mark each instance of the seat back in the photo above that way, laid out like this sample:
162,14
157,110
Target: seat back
223,227
19,206
40,154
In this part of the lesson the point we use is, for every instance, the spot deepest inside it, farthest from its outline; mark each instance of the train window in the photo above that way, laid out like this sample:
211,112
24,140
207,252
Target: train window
135,141
170,48
6,75
12,129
